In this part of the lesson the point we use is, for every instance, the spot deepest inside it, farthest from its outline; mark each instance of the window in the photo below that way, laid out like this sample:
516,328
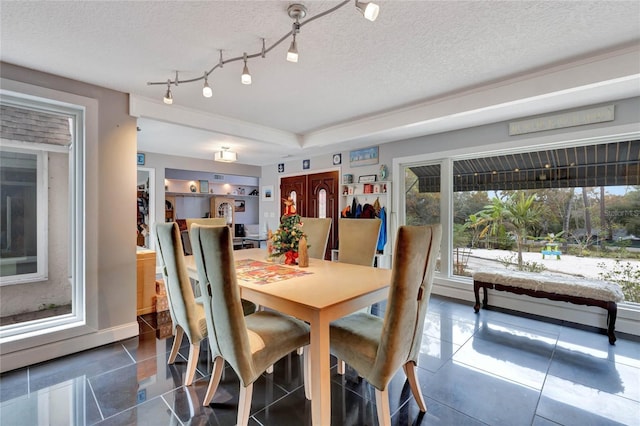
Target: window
512,210
41,215
422,196
23,207
322,203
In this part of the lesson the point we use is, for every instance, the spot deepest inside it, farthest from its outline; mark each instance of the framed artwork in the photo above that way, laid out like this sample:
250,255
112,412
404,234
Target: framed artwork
337,159
267,193
204,186
363,157
239,206
306,164
367,178
140,159
281,168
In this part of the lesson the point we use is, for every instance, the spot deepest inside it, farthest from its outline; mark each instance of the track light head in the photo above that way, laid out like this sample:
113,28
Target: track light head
370,10
246,76
207,92
292,54
168,97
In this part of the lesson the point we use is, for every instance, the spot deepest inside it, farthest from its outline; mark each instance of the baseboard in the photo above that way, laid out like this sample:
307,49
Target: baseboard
25,357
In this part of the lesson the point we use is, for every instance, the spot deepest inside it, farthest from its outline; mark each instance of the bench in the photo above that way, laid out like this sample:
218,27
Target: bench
580,291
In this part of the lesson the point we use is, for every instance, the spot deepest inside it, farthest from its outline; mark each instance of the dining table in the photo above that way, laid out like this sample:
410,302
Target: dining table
318,294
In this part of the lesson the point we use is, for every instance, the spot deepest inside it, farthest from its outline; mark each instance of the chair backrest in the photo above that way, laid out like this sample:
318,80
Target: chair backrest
357,240
207,221
414,259
228,337
182,304
317,231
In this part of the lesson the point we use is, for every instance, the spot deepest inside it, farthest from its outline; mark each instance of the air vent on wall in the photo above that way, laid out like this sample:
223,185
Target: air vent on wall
218,177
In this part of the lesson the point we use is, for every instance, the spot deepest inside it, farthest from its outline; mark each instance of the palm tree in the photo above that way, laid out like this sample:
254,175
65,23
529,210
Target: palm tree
522,214
492,217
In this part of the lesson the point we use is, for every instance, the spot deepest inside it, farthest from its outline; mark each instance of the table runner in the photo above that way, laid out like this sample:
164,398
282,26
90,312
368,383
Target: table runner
259,272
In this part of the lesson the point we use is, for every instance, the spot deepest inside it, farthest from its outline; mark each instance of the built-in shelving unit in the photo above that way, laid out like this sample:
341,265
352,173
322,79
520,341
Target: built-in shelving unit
197,198
368,193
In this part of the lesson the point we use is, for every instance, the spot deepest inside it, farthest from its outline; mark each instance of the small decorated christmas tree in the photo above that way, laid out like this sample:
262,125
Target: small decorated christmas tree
286,239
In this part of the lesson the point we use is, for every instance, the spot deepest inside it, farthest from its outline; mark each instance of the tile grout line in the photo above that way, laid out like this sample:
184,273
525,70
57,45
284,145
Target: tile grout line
95,399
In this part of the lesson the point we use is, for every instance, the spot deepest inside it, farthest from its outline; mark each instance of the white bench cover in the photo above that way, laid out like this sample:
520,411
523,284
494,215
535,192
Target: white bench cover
559,284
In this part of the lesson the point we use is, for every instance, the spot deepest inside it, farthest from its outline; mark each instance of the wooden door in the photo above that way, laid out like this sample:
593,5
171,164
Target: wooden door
297,184
323,201
314,192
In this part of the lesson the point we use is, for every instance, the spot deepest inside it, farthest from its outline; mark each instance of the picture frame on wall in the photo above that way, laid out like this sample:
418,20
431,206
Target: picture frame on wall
140,159
267,193
363,157
204,186
367,178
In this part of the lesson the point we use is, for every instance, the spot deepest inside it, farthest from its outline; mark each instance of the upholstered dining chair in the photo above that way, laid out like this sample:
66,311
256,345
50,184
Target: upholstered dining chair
317,231
187,315
377,347
249,344
357,240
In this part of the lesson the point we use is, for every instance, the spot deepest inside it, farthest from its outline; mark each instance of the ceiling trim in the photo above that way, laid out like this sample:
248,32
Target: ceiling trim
615,75
147,108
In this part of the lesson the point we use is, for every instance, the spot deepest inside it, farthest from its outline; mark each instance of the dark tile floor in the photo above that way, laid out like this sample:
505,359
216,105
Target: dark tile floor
493,368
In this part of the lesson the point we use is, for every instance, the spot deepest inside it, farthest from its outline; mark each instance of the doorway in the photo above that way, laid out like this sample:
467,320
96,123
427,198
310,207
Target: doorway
145,206
315,195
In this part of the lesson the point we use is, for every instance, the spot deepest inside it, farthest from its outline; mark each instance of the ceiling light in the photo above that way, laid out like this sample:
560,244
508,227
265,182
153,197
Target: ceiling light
206,90
292,54
168,97
369,10
225,155
296,11
246,76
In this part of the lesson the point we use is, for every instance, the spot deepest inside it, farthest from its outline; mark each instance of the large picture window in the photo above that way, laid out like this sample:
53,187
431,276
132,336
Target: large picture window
41,193
571,210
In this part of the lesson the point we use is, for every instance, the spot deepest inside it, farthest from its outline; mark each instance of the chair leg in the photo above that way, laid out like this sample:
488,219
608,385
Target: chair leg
341,367
177,340
307,372
382,407
244,404
192,363
218,364
410,371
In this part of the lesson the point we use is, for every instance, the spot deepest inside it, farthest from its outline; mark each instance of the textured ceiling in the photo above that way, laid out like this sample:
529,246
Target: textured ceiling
350,69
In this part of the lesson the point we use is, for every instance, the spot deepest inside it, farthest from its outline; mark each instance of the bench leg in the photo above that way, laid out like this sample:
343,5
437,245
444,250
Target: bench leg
612,309
476,292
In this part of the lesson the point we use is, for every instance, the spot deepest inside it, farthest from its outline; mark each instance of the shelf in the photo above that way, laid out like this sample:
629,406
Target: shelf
207,194
357,189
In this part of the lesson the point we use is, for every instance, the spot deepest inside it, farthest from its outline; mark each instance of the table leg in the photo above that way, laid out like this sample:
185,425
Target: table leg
320,372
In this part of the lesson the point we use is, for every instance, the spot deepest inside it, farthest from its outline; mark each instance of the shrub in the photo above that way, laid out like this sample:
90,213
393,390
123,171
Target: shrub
509,261
626,275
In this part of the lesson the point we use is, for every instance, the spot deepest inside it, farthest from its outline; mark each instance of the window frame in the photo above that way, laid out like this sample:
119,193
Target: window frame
42,207
457,285
16,336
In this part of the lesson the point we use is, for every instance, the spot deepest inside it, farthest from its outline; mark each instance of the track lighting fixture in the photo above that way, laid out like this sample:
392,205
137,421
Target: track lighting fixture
297,12
370,10
246,76
292,54
168,97
206,89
